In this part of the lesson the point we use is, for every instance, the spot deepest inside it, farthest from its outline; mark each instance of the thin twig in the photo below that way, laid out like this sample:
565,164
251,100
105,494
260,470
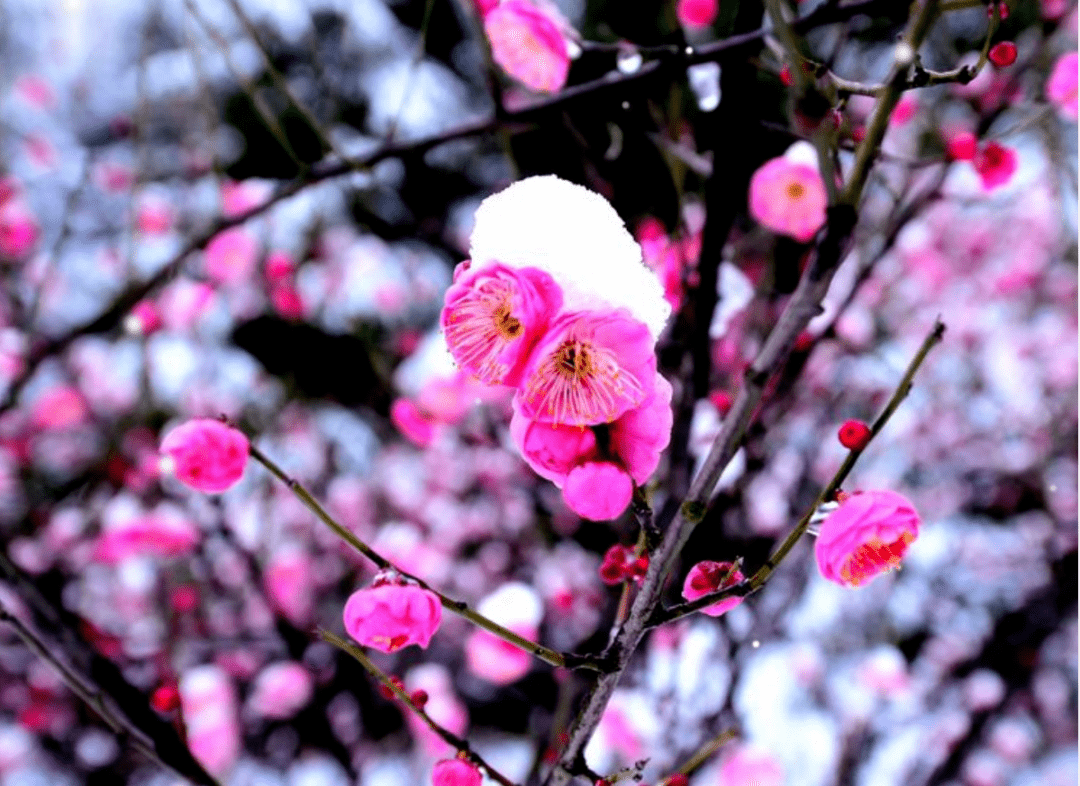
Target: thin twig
462,609
448,736
96,700
827,493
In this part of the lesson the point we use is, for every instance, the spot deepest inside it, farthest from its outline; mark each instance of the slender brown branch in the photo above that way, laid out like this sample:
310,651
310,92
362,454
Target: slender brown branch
827,493
448,736
98,701
458,607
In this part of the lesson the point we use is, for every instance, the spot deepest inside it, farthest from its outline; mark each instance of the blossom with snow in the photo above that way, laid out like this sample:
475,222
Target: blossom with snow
788,197
528,42
206,454
392,614
557,303
866,535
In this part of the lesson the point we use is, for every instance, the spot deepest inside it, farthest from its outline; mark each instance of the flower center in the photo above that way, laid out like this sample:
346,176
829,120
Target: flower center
479,328
581,384
795,190
874,557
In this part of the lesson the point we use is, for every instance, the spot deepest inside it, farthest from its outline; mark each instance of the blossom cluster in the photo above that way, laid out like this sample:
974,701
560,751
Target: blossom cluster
556,303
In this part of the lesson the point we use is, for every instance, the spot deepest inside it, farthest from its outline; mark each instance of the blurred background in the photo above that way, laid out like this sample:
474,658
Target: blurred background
252,208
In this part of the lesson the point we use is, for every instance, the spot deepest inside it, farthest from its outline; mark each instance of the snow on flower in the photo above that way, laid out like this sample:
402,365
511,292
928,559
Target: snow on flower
576,237
1061,86
392,615
206,454
708,576
788,197
527,42
866,535
493,318
209,706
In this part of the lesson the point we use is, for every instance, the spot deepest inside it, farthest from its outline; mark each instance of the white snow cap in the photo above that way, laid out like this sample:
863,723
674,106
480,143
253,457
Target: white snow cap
513,603
575,236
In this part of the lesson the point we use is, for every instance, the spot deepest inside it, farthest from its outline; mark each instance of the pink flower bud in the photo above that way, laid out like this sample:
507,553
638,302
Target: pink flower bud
391,616
854,435
707,577
527,42
455,772
995,164
961,146
1002,54
206,454
867,535
598,490
788,198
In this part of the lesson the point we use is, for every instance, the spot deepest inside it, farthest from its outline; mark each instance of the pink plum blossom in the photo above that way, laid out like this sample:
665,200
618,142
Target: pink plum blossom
707,577
281,690
412,422
1061,86
183,302
209,706
18,228
697,13
290,584
286,300
493,316
144,319
455,772
589,368
867,535
552,450
995,164
58,409
494,659
36,91
239,197
639,436
789,198
206,454
527,42
598,490
443,706
164,532
750,766
231,256
391,616
279,266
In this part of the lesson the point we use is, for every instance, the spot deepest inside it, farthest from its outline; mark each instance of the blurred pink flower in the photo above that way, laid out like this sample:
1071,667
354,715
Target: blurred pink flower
391,616
590,368
598,490
414,424
18,228
36,91
749,766
206,454
904,110
281,690
144,319
641,434
153,216
290,584
697,13
286,300
455,772
240,197
1061,86
527,42
995,164
231,256
160,533
707,577
493,316
183,302
443,706
209,706
279,266
867,535
789,198
496,660
58,409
